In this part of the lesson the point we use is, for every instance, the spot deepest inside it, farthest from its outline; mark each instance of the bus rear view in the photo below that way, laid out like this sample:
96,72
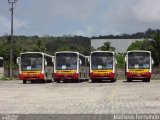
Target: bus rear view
138,65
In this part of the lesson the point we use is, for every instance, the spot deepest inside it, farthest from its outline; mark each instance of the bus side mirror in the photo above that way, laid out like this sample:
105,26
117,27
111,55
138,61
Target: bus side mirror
152,61
88,59
115,61
53,59
80,62
125,58
45,62
18,60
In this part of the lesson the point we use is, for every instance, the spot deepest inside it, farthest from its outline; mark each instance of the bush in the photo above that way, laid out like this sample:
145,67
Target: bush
5,78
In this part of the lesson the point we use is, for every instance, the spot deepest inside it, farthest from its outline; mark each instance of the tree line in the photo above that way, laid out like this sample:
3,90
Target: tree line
151,43
50,45
47,44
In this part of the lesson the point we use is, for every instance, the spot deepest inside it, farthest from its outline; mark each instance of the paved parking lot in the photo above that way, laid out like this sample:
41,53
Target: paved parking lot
78,98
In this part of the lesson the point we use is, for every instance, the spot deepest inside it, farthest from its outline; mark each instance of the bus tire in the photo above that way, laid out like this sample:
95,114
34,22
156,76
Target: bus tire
77,81
65,81
44,81
58,81
93,80
112,80
147,80
49,81
24,81
129,80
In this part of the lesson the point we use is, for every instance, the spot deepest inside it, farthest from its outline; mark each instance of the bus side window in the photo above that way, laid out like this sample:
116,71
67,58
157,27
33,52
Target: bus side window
82,59
1,62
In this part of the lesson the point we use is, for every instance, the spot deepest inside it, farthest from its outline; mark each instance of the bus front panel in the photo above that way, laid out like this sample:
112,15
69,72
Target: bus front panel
31,66
66,65
102,65
139,65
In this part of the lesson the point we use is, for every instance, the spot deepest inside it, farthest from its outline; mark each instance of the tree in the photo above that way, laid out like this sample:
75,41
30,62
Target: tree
92,48
120,60
64,48
5,52
152,45
135,45
106,47
38,46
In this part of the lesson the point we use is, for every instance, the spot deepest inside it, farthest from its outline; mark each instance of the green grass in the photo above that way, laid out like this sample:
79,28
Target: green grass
4,78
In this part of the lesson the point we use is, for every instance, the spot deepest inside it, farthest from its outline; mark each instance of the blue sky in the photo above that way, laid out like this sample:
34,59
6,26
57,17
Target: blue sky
80,17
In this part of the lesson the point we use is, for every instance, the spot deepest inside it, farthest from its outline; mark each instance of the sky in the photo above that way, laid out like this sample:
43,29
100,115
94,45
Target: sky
79,17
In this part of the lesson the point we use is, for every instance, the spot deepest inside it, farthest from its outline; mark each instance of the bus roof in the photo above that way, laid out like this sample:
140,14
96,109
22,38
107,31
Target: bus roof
66,52
139,51
35,53
70,52
102,52
31,52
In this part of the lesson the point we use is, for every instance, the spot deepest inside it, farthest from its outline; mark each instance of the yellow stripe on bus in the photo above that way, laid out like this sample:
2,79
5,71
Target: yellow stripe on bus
66,71
102,71
138,71
27,72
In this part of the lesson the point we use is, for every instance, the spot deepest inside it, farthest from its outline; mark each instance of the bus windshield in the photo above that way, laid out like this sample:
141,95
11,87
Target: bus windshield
138,60
31,61
66,61
103,61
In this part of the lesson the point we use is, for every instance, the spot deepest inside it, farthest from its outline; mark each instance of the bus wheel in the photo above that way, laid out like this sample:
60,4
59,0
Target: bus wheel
77,80
43,81
65,81
112,80
24,81
129,80
147,80
58,81
49,81
93,80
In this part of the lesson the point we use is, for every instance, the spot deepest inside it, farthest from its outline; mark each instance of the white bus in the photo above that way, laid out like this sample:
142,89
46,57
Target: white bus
70,66
138,65
1,67
102,66
35,66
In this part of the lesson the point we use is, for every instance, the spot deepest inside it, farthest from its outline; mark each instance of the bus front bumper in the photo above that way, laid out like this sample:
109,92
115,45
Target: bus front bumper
59,76
106,76
138,76
39,76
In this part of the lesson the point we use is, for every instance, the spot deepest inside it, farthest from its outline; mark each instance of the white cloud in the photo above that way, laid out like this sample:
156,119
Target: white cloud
72,9
88,31
81,9
81,17
5,24
147,11
130,16
18,23
79,33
